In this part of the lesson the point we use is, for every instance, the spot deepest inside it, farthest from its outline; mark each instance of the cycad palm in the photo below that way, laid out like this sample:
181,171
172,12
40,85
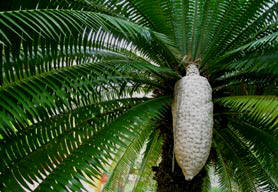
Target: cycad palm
72,76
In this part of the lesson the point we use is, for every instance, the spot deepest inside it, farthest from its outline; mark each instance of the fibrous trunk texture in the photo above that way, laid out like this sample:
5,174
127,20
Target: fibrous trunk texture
192,111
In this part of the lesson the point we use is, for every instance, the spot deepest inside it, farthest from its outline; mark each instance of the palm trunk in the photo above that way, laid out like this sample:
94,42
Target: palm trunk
172,180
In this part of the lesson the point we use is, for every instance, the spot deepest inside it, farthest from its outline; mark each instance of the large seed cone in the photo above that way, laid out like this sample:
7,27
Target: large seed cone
192,111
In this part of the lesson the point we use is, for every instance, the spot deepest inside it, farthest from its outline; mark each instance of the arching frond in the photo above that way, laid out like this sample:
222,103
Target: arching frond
128,158
47,134
257,67
41,147
263,145
24,35
261,109
223,170
83,152
60,90
150,159
242,173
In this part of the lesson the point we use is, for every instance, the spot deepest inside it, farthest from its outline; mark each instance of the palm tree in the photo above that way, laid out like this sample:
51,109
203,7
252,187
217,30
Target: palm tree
87,85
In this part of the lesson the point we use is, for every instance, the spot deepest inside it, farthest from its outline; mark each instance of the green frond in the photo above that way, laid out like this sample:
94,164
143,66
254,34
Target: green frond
201,30
261,109
143,67
265,172
50,4
263,138
220,15
60,90
264,18
237,16
254,147
127,9
30,142
206,185
263,42
154,12
66,55
85,151
150,159
178,10
223,170
43,147
128,158
242,173
30,31
262,66
262,143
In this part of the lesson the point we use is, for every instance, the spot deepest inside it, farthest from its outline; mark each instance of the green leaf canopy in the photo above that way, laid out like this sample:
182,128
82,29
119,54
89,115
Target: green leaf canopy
85,86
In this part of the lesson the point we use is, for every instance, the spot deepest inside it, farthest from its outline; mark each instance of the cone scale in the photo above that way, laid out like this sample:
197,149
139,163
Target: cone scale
192,112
